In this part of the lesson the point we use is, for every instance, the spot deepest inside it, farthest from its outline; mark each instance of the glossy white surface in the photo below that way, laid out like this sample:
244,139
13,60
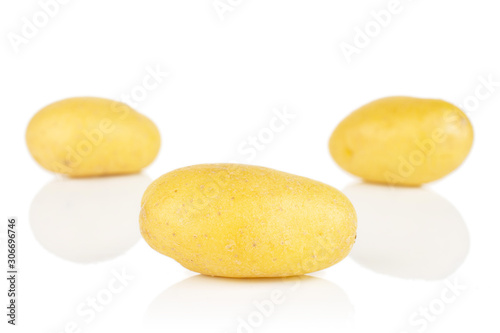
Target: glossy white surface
426,260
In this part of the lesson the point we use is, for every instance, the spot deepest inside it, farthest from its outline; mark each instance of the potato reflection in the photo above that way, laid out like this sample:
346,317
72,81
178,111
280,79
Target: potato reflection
407,232
88,220
204,304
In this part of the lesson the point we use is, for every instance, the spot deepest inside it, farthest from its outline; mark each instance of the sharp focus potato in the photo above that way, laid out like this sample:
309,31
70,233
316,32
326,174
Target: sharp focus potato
402,140
88,136
243,221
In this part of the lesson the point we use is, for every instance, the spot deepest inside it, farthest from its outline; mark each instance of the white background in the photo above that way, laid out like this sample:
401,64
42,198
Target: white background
225,78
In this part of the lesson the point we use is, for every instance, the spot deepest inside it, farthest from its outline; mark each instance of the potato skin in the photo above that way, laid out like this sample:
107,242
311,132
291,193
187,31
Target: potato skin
242,221
88,136
402,141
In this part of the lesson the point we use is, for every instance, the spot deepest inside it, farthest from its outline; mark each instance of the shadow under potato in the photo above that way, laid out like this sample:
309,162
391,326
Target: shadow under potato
409,233
207,304
88,219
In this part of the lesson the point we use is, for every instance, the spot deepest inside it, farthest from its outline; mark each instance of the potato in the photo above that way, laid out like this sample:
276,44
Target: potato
87,136
241,221
402,140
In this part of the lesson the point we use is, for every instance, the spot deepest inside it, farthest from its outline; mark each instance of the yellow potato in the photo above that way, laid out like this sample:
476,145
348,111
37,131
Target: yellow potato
243,221
402,140
87,136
